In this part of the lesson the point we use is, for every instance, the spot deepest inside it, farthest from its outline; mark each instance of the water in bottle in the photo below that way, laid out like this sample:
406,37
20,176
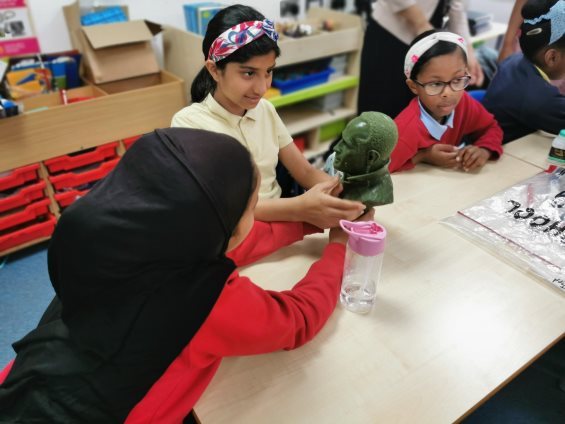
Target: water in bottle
363,262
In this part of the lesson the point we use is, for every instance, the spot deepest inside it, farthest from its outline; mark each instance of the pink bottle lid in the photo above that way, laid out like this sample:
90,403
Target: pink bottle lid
367,238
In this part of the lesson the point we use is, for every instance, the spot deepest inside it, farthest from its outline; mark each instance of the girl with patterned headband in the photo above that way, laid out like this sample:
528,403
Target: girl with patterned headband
240,49
521,96
443,125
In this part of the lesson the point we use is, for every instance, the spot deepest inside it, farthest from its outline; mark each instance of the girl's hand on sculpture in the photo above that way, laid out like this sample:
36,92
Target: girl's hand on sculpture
320,208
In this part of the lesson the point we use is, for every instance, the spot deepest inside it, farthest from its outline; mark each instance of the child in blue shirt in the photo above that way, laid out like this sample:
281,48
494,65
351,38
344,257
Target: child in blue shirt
521,97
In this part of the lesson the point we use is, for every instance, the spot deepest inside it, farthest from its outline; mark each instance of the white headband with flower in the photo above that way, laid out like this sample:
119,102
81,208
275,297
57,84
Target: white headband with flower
426,43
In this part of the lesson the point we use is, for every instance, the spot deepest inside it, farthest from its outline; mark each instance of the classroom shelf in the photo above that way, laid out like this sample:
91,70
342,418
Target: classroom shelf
303,118
340,83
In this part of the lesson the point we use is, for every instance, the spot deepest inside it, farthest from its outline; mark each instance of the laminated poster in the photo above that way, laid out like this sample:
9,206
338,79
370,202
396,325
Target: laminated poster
16,32
524,223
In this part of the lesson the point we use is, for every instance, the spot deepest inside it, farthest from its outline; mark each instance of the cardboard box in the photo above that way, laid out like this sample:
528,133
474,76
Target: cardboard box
114,51
136,106
118,51
72,17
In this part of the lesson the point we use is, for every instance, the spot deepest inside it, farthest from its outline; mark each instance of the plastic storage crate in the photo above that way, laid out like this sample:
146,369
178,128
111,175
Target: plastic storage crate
79,159
32,231
29,213
23,196
67,198
128,142
289,85
71,180
18,176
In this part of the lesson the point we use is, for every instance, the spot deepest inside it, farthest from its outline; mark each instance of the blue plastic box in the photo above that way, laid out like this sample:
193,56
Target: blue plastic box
197,15
105,16
295,84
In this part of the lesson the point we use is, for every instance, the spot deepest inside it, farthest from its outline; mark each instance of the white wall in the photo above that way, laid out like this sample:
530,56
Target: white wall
51,28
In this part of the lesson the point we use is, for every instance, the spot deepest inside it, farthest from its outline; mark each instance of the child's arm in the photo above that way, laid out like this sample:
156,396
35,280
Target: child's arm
318,206
482,128
266,238
248,320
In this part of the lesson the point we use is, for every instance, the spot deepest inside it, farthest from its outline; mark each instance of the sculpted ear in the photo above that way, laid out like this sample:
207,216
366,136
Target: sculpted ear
373,156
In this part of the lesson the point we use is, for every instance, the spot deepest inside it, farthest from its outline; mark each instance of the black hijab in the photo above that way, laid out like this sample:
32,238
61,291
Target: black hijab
137,265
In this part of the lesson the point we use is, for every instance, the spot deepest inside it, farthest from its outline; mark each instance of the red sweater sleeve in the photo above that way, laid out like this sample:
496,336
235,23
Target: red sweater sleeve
250,320
246,319
409,138
267,237
481,127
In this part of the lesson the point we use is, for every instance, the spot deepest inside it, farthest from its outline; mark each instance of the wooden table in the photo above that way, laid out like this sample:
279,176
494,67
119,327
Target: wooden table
452,323
532,148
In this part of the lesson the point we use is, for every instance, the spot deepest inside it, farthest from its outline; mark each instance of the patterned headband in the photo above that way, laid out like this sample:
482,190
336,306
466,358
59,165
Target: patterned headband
426,43
240,35
556,16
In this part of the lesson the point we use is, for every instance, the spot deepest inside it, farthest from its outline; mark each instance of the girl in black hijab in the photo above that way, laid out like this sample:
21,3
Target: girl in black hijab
143,287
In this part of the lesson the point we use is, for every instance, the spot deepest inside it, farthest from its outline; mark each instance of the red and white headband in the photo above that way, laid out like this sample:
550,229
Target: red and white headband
238,36
426,43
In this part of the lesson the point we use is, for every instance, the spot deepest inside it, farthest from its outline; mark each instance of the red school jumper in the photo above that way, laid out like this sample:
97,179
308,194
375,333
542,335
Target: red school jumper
247,320
471,119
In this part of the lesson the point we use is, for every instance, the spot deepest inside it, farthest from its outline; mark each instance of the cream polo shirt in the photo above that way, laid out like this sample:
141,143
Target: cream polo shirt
261,130
385,13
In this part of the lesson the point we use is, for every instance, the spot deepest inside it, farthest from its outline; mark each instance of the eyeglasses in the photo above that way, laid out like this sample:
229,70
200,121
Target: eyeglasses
437,87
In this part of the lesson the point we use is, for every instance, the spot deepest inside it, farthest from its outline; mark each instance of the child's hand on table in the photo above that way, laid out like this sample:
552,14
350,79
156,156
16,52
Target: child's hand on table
471,157
443,155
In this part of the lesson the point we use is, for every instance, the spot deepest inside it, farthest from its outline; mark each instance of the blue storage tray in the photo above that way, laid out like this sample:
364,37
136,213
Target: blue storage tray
290,85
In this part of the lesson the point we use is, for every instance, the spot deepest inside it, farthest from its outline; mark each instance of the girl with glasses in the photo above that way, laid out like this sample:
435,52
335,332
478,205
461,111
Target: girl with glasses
443,125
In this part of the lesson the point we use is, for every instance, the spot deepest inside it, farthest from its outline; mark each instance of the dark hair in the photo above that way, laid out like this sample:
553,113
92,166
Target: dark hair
204,84
439,49
534,38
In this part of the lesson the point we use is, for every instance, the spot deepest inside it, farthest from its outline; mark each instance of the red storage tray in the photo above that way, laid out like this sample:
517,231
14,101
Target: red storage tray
130,140
68,162
29,233
23,196
74,180
68,197
30,212
19,176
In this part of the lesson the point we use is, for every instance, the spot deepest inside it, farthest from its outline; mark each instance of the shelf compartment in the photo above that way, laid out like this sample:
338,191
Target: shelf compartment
301,118
19,176
23,196
75,180
341,83
29,213
80,159
67,198
26,236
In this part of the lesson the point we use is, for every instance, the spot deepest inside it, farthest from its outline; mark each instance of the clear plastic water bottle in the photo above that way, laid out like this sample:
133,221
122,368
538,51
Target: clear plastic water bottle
557,152
363,262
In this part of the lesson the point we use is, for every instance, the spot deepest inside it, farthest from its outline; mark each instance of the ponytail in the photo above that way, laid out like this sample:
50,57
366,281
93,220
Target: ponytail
202,85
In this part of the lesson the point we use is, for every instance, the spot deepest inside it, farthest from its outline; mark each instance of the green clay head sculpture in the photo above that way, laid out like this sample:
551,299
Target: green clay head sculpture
363,155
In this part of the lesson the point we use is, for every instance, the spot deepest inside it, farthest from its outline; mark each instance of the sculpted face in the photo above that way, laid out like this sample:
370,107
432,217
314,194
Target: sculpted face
366,144
363,155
